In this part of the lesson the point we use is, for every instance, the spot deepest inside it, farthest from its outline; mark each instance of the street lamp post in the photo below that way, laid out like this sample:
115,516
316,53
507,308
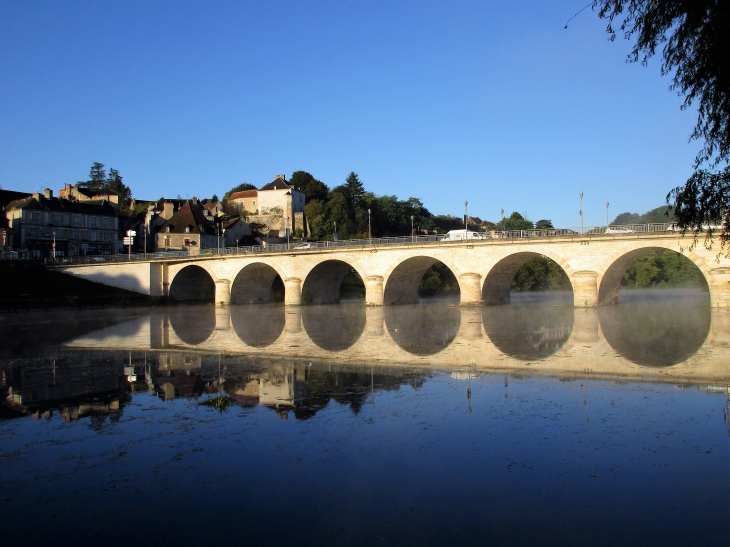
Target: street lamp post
370,233
287,232
502,211
606,214
412,229
581,213
334,235
54,245
466,217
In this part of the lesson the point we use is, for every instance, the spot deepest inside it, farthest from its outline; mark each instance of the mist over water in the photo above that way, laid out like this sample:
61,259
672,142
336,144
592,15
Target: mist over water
423,424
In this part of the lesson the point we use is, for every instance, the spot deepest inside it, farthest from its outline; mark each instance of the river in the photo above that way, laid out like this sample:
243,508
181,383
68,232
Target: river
425,424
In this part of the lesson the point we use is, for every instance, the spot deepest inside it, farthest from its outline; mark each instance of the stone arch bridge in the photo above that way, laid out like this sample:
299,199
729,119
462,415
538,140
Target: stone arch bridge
484,270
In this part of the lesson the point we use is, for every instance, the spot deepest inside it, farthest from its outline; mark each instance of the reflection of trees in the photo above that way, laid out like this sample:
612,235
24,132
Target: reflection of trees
528,331
422,329
656,332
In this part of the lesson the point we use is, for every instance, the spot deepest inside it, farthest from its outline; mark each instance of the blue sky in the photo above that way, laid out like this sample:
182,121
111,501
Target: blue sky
491,102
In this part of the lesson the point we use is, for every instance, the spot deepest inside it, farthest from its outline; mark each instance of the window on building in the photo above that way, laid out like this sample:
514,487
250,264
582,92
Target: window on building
76,220
168,241
105,222
92,222
56,218
36,217
187,242
167,229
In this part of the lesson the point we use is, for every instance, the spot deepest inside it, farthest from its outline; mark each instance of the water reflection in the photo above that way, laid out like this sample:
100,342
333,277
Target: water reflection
653,330
529,329
192,324
260,325
334,328
423,329
649,332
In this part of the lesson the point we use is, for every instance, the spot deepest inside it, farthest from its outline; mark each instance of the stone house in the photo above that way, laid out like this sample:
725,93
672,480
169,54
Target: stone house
276,206
190,229
234,229
246,200
46,226
77,193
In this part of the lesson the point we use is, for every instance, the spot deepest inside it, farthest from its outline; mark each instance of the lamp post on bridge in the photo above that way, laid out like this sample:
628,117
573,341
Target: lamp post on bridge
466,220
502,211
370,233
606,214
581,213
411,228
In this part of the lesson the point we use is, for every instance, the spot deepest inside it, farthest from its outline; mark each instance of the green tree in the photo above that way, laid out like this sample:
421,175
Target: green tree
354,189
97,177
114,184
517,222
544,224
694,40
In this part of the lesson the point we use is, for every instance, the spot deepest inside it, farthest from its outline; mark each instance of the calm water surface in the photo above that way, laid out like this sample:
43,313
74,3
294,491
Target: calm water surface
409,425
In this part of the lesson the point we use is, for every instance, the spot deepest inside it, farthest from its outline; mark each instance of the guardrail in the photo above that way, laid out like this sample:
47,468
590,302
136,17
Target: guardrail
623,229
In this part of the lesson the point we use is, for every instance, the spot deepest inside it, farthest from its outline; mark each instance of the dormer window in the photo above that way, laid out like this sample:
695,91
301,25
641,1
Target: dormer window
187,229
167,229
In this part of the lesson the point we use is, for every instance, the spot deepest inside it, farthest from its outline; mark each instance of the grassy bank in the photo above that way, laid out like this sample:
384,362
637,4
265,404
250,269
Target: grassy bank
29,285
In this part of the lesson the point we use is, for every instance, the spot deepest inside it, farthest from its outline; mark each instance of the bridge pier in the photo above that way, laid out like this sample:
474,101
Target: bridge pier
293,291
470,287
585,289
222,292
719,285
374,290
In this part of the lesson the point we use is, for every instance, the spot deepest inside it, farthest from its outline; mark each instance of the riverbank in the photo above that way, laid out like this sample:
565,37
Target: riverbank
29,285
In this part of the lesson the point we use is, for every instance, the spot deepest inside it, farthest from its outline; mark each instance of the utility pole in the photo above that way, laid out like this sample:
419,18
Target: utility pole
466,217
581,213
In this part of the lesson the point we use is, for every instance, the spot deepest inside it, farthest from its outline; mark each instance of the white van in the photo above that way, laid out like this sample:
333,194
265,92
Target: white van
460,235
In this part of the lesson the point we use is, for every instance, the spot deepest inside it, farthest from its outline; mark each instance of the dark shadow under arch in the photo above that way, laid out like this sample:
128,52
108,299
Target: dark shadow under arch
334,328
323,284
255,284
192,325
531,328
652,330
498,283
258,326
402,284
423,329
192,283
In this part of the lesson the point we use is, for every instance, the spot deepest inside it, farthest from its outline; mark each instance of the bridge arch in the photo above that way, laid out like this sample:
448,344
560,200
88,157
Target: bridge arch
401,280
323,281
498,280
195,282
252,283
613,268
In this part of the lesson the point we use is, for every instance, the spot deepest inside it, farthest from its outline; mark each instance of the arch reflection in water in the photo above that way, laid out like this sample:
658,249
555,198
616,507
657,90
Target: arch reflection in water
534,327
334,328
258,325
192,325
659,328
423,329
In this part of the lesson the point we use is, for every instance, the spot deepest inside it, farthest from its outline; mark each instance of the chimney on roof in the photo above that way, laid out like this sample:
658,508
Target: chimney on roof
282,177
47,193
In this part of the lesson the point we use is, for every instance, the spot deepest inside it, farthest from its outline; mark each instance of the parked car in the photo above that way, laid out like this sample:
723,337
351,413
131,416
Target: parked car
618,230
